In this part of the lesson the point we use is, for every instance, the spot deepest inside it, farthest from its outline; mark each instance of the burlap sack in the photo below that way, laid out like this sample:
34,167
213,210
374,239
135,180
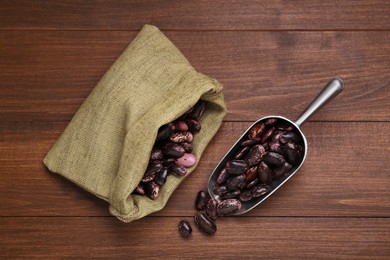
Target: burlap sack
105,148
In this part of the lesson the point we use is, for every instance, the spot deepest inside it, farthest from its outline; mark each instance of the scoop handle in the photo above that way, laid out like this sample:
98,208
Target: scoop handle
332,89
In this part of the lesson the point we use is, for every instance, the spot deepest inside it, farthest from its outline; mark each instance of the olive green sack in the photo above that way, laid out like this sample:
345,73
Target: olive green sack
105,148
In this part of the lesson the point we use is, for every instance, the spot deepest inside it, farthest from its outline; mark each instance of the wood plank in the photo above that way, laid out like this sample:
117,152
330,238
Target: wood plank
346,174
281,238
195,15
47,75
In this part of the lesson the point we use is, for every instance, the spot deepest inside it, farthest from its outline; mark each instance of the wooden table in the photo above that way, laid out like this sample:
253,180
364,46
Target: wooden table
273,57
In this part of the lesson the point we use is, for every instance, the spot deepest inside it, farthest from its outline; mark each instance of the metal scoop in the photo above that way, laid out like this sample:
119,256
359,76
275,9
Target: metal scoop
332,89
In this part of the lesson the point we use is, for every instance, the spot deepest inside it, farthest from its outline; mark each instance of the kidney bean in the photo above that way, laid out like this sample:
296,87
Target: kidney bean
290,136
173,150
165,132
198,110
231,194
293,153
255,155
276,147
281,171
187,147
271,122
139,190
178,170
284,125
161,177
237,167
267,134
251,173
211,209
274,159
250,142
201,200
180,125
152,190
260,190
246,196
223,176
264,173
156,154
219,189
228,206
169,161
241,153
204,223
252,183
181,137
150,173
256,131
193,125
185,229
234,182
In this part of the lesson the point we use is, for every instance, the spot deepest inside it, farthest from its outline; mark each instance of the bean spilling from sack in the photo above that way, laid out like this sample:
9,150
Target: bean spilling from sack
172,151
269,152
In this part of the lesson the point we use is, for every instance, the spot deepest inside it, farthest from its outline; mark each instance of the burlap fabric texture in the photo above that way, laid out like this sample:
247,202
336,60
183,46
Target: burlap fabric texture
106,147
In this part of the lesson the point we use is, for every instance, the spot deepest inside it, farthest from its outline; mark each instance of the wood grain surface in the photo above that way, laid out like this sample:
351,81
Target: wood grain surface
273,57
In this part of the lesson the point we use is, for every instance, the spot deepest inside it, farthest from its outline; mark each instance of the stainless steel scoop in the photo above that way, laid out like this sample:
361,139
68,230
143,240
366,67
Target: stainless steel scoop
332,89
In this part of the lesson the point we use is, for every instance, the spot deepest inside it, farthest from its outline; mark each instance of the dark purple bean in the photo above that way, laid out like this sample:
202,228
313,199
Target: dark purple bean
290,136
187,147
165,132
293,153
284,125
211,209
255,155
152,190
219,190
237,167
228,206
266,146
173,150
185,229
234,182
169,161
251,173
139,190
178,170
150,173
193,125
180,125
242,152
276,136
264,173
161,177
231,194
271,122
250,142
198,110
181,137
267,135
274,159
260,190
281,171
256,131
156,154
246,196
252,183
223,176
276,147
204,223
201,200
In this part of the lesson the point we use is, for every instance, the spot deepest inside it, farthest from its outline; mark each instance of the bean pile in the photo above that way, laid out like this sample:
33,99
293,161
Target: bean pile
172,151
268,153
